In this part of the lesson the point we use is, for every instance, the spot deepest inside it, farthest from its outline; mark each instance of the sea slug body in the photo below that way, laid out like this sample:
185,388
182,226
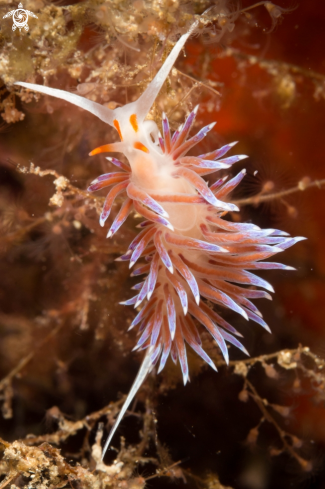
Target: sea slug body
191,253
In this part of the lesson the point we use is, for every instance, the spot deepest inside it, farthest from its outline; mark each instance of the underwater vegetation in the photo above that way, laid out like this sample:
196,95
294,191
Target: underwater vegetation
65,349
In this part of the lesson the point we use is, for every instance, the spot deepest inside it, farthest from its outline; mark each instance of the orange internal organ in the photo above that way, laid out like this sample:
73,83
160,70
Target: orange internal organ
117,127
107,148
141,147
134,122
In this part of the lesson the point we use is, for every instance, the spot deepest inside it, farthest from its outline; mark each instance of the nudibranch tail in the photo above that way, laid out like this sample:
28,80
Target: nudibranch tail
145,368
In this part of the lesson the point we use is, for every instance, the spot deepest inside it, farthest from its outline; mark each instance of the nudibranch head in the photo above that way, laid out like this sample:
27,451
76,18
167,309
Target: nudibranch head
139,142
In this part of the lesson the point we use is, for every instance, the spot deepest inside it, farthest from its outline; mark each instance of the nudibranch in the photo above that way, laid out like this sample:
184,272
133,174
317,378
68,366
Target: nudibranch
191,253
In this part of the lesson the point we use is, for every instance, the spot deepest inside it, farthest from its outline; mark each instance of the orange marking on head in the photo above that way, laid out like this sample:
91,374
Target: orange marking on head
117,127
141,146
134,122
107,148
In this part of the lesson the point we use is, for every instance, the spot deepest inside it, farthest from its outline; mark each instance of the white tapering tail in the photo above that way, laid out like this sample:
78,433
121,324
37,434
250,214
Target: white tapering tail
140,378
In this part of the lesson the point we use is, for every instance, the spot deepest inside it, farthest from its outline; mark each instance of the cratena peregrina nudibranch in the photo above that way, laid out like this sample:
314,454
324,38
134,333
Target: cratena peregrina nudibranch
191,252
